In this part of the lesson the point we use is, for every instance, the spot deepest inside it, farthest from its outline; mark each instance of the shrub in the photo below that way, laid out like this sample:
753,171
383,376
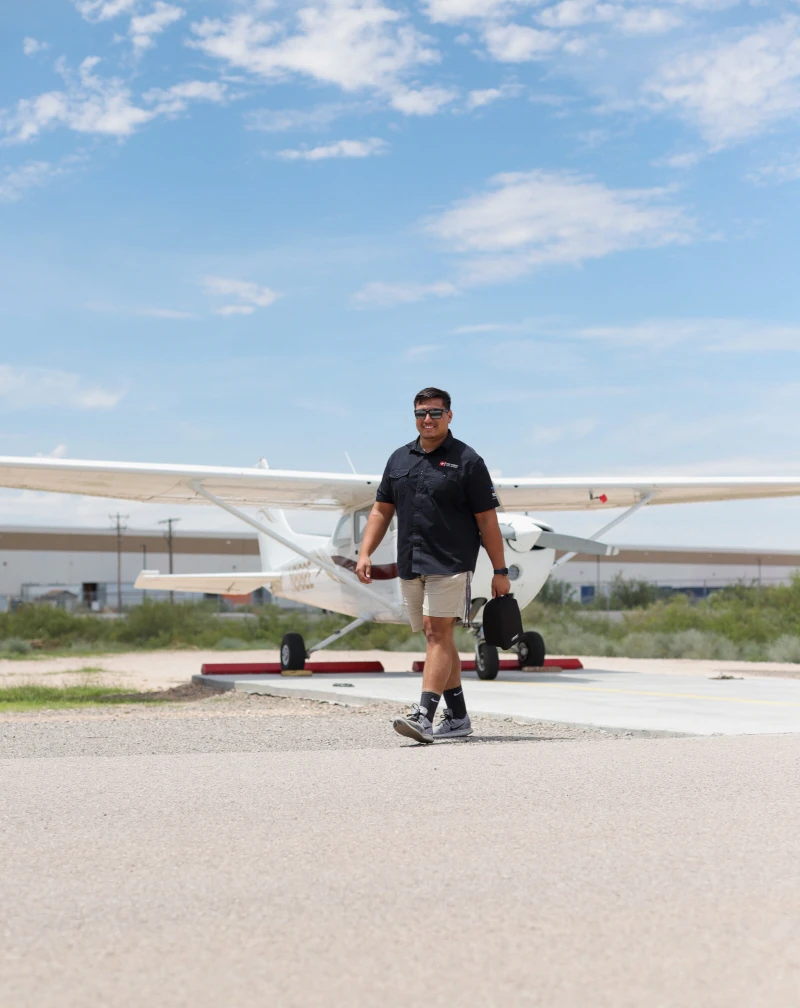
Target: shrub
785,649
702,644
231,644
16,646
641,644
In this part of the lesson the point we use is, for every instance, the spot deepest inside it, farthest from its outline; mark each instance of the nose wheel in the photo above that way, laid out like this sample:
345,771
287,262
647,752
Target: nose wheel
293,652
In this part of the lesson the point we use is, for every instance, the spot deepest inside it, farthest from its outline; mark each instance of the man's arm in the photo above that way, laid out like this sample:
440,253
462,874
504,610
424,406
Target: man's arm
378,522
492,540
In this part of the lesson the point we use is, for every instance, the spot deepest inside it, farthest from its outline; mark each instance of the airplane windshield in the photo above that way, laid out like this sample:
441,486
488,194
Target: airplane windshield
361,523
343,535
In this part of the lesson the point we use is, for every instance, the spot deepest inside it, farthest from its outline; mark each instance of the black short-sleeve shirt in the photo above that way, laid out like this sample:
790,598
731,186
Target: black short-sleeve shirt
436,496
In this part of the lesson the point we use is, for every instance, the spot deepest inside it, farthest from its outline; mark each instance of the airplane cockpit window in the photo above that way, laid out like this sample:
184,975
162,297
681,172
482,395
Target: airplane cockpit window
361,522
343,536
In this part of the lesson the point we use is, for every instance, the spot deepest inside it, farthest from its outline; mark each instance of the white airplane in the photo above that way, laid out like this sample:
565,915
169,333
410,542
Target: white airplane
319,571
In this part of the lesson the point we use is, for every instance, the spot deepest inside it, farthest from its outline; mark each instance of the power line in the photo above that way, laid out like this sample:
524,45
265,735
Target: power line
169,522
119,520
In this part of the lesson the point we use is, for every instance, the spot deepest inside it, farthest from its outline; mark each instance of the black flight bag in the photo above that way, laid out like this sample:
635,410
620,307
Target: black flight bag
502,622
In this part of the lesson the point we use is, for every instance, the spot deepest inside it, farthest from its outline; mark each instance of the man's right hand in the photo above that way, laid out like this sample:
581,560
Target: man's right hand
364,570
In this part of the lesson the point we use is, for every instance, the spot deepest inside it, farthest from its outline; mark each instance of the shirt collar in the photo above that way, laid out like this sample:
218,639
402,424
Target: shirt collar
414,445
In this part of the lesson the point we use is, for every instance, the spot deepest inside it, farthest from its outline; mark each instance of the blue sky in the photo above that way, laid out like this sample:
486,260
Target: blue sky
235,228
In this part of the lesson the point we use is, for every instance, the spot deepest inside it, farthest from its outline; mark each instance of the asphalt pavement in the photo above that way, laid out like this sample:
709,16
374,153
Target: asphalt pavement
597,871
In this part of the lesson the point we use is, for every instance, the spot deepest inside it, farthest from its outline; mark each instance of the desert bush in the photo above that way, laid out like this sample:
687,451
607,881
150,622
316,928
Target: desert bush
785,649
15,646
642,644
702,644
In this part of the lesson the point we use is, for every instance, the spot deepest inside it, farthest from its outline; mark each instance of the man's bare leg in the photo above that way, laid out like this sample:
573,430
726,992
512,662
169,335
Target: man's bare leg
440,653
455,670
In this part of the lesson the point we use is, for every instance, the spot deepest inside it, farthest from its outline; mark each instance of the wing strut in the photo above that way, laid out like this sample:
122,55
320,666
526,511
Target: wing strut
620,518
337,573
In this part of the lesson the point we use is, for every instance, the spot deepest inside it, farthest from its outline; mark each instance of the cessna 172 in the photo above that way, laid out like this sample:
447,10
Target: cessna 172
320,571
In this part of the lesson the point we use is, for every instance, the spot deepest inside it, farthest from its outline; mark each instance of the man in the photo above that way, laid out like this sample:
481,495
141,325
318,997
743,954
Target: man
445,503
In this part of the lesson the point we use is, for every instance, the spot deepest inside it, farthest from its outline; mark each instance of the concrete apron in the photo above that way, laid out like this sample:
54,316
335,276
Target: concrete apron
618,701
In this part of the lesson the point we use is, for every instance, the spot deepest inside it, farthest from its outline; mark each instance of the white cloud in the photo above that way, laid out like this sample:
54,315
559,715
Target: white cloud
648,21
16,182
484,327
165,313
715,334
174,100
42,388
339,149
529,219
144,27
283,120
513,43
94,105
486,96
103,10
735,90
59,451
232,309
353,44
250,295
31,46
422,101
418,353
787,170
380,295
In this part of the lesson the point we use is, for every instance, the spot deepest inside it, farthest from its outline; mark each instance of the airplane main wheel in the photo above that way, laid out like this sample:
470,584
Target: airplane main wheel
531,650
487,661
293,651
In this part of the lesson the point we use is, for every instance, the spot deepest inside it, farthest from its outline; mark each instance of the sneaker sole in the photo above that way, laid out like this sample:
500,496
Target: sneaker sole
458,733
403,727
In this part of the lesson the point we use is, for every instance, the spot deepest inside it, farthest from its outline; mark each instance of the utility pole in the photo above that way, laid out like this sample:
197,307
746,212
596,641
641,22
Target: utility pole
169,522
119,520
144,565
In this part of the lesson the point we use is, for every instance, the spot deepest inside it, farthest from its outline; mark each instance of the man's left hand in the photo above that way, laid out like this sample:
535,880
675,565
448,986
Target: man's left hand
501,585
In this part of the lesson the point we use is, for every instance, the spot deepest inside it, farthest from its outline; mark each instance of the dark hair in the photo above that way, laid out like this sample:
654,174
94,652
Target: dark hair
433,393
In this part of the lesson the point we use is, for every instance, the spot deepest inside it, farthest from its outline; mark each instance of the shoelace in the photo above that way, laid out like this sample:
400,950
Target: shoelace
447,715
416,713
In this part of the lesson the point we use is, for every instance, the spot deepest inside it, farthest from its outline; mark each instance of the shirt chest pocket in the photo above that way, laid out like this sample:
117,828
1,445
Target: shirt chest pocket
444,483
400,483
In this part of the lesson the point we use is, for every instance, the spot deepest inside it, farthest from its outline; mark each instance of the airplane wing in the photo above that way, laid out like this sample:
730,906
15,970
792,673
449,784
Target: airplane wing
594,493
211,584
285,488
169,484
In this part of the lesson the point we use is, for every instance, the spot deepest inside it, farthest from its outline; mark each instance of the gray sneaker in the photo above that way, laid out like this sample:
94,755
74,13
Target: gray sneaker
414,725
450,727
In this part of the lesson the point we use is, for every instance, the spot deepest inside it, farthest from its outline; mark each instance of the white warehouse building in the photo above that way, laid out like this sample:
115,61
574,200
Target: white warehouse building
78,567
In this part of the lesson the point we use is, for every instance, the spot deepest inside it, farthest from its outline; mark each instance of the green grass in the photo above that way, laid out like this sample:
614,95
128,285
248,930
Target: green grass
744,622
32,696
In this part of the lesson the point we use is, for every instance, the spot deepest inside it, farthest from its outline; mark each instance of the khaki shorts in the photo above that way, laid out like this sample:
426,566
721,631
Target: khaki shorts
436,595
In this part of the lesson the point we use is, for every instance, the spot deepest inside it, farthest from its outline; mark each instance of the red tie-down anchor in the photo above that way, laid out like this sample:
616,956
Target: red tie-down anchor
603,498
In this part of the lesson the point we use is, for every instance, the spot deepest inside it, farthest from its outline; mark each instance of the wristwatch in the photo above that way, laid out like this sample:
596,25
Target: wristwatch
501,570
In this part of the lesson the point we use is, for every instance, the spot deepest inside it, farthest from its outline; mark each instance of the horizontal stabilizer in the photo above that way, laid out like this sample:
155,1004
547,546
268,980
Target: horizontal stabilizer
210,584
575,544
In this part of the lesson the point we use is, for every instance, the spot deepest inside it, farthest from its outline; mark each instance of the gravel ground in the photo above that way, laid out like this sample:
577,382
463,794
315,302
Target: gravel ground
196,720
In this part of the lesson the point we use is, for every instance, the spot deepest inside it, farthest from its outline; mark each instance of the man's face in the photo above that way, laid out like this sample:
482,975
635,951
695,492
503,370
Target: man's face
428,426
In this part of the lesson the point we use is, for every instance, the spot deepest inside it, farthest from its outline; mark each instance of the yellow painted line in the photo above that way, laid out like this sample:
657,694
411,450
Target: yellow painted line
674,696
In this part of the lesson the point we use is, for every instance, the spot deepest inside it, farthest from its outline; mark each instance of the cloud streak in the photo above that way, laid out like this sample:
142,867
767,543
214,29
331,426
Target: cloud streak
23,388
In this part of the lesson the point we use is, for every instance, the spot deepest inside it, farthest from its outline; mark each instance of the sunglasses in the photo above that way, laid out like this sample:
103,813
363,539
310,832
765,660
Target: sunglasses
435,414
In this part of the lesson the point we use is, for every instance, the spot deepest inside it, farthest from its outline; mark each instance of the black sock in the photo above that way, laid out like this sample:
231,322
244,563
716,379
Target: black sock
454,698
428,704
